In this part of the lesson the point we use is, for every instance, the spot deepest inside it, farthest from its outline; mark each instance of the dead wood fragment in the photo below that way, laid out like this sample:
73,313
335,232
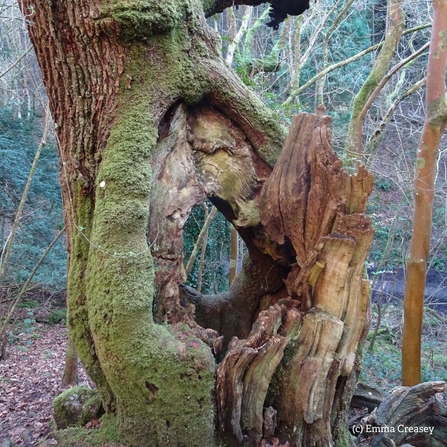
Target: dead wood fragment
244,375
366,396
416,415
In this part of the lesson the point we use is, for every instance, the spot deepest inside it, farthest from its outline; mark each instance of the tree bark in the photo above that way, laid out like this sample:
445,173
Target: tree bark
395,26
423,198
70,376
150,123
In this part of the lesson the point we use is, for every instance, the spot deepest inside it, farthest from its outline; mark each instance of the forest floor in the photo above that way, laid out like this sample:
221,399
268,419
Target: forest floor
30,379
31,373
30,376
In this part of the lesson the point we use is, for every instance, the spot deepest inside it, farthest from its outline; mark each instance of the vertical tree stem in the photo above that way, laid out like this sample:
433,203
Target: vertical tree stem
202,233
233,255
396,22
423,197
18,215
24,288
202,252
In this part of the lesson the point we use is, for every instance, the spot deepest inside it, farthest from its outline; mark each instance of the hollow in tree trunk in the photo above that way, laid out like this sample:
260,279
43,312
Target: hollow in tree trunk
151,122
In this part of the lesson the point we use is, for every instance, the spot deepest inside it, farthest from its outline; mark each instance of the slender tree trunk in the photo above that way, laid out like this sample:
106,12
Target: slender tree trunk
236,36
234,255
202,252
70,376
201,240
423,198
319,89
297,62
395,26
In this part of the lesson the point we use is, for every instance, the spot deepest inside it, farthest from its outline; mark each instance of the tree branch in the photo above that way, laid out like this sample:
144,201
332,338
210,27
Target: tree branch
340,64
16,61
380,128
216,6
379,88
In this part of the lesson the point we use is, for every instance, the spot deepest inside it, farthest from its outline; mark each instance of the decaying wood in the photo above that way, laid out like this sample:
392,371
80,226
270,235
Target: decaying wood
203,154
364,400
288,329
244,375
355,417
416,415
366,396
312,208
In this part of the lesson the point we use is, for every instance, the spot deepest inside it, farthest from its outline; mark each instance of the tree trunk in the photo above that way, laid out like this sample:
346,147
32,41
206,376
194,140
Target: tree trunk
234,255
70,376
204,245
151,122
201,241
395,27
423,198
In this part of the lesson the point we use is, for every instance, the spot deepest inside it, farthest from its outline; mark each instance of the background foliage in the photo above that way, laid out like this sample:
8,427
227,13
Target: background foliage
22,101
42,217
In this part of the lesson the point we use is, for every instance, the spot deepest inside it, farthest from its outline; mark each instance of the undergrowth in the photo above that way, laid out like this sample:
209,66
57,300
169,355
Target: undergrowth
382,364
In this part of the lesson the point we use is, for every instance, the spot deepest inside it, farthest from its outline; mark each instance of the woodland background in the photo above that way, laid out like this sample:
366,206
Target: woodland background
284,67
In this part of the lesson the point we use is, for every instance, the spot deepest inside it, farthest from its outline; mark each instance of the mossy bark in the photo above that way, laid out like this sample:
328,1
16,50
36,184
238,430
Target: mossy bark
150,123
395,26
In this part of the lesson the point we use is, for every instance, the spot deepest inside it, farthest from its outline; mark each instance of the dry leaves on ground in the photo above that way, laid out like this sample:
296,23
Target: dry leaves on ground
30,378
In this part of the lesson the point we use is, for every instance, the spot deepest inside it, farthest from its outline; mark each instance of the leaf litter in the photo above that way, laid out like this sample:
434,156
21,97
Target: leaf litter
30,379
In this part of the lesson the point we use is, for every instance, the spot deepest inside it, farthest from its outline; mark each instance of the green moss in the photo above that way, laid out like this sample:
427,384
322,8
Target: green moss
437,112
420,162
207,4
345,439
367,88
163,387
76,406
77,315
106,434
143,18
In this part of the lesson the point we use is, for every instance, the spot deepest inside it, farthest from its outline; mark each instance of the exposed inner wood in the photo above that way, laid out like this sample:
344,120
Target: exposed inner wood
292,320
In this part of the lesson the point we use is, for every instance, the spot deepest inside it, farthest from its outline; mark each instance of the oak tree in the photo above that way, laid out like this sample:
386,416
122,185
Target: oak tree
151,122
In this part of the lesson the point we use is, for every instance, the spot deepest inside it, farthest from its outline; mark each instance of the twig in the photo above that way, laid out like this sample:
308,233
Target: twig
24,196
340,64
24,289
379,88
16,61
